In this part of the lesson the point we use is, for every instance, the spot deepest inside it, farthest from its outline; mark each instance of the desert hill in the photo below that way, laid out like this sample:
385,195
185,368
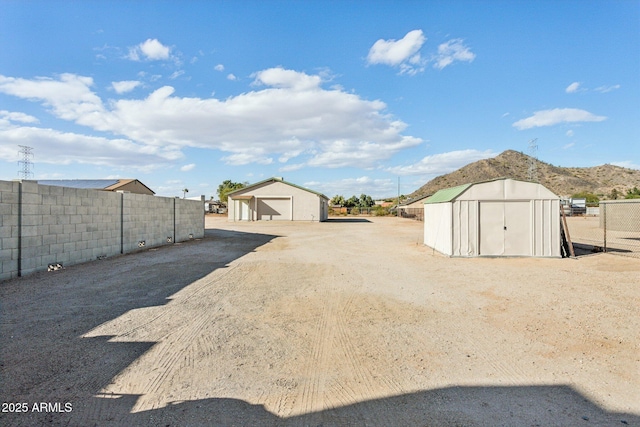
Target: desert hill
599,180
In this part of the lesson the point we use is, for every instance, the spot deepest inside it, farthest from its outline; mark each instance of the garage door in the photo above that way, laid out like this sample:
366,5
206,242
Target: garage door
274,209
505,228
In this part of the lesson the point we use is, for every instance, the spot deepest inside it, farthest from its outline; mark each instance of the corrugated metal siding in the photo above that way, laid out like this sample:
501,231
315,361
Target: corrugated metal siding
80,183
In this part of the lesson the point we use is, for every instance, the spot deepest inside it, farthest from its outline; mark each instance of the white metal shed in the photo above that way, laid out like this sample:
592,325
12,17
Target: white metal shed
501,217
277,200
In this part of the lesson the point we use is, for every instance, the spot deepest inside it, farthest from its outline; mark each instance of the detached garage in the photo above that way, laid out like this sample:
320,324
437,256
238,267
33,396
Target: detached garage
277,200
502,217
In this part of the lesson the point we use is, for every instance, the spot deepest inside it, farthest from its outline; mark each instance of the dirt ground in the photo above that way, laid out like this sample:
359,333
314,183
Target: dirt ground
351,322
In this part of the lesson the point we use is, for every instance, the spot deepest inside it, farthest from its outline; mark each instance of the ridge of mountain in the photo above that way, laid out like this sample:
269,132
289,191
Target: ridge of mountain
563,181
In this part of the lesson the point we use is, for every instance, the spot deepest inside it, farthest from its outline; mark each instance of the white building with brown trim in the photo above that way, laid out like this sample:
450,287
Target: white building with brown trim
275,199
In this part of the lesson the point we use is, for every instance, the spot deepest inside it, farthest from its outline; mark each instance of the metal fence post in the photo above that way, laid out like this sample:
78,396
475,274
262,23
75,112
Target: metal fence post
604,226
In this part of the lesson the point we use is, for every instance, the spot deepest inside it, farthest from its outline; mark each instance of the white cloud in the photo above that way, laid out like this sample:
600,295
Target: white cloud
231,77
438,164
187,168
246,158
125,86
605,89
63,148
292,116
70,97
573,87
453,50
219,67
151,50
394,52
569,133
10,116
577,87
403,53
557,116
569,145
626,164
176,74
286,79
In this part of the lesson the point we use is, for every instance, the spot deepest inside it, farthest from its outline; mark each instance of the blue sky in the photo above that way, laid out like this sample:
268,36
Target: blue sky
343,97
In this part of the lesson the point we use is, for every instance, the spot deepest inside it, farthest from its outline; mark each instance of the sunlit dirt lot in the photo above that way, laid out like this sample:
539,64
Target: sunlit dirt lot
348,322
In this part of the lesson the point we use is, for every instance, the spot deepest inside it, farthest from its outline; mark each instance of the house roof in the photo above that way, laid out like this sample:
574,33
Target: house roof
275,179
417,199
91,184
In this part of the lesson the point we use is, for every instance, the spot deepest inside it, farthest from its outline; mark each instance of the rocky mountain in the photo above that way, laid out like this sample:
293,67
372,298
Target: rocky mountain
600,180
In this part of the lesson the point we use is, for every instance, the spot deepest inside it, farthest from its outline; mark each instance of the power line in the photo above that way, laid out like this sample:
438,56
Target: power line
25,164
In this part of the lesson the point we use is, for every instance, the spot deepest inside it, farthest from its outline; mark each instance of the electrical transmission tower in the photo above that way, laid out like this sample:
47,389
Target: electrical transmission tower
26,164
533,160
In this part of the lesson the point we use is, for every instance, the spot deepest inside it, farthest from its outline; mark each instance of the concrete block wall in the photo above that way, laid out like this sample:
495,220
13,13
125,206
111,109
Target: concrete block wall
42,225
9,229
147,219
189,220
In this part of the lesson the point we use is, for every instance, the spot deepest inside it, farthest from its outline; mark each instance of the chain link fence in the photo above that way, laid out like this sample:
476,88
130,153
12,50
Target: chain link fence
358,211
615,228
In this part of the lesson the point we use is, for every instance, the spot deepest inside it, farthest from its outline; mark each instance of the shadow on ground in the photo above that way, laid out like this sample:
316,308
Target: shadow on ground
348,220
452,406
43,316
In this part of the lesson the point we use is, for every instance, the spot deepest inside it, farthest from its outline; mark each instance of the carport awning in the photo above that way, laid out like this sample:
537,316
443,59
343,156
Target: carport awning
246,197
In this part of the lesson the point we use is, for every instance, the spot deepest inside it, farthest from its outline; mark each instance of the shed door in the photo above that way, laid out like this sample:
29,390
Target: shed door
273,209
505,228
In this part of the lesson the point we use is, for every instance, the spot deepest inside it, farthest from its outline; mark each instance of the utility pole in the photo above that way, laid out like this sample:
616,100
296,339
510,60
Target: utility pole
25,164
533,160
398,205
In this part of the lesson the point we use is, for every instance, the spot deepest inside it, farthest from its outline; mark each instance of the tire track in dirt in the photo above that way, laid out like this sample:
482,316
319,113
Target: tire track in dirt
370,383
482,346
311,397
167,358
335,373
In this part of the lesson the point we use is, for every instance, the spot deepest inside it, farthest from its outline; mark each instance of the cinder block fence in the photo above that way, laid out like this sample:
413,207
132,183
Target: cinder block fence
43,226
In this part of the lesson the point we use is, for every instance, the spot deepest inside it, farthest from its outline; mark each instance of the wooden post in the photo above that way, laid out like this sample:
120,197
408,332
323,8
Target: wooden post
566,232
604,226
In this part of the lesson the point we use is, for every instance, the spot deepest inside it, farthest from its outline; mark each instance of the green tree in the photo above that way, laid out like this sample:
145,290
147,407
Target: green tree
351,202
378,210
614,194
365,201
227,187
633,194
591,198
337,201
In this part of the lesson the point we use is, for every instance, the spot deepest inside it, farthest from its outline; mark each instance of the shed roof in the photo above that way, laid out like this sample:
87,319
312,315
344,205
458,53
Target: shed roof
275,179
450,194
447,194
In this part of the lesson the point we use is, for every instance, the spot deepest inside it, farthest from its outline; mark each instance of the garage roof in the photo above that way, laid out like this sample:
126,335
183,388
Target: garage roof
276,179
